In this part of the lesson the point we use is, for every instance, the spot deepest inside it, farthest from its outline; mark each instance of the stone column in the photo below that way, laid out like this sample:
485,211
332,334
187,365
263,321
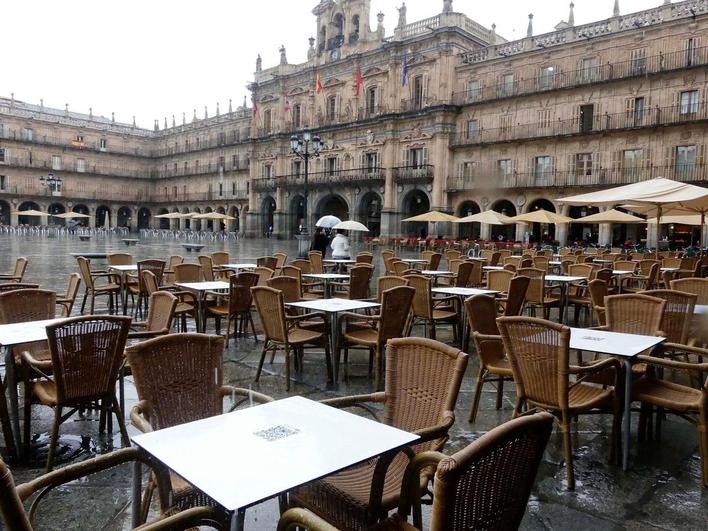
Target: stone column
485,231
604,236
521,229
254,225
14,218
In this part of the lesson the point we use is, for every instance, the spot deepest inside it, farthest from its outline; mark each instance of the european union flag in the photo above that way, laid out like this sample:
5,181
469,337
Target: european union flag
404,73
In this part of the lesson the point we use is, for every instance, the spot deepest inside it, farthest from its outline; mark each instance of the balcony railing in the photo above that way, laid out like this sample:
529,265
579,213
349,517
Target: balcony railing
108,170
200,196
650,117
664,62
691,173
414,174
65,143
126,194
356,176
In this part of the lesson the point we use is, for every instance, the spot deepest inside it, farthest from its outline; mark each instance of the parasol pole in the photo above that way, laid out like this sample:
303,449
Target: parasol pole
658,230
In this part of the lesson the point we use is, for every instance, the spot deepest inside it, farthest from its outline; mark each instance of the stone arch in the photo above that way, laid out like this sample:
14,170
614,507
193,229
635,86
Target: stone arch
338,24
55,209
580,232
208,224
468,231
197,224
5,211
103,214
81,209
332,205
296,214
369,212
413,203
268,206
124,217
508,232
187,221
163,223
541,232
144,218
27,220
234,224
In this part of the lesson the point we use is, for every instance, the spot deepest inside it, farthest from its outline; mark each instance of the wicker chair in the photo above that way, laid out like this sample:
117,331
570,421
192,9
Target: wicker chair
219,259
282,332
12,497
296,273
516,297
185,273
433,259
161,312
236,307
537,294
423,380
475,279
66,300
634,314
578,295
541,262
598,292
179,379
86,355
499,281
358,286
678,312
645,280
187,301
280,259
271,262
399,267
372,332
483,486
111,287
157,268
169,273
697,286
316,263
425,311
365,257
452,254
263,275
387,282
207,267
19,271
493,363
539,353
14,286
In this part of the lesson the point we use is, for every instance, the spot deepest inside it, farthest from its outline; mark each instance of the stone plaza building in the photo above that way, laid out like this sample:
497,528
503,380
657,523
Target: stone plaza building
441,114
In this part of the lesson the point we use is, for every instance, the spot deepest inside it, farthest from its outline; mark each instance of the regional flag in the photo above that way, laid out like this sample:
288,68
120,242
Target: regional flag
318,84
359,80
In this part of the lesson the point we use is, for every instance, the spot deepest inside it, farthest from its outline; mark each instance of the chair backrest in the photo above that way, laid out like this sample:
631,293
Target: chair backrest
161,311
434,261
387,254
264,274
85,271
514,260
423,380
526,263
271,262
671,262
156,267
115,259
220,258
20,268
464,272
271,310
598,292
388,264
188,273
581,270
516,296
292,271
21,306
387,282
487,484
149,282
11,507
290,287
395,309
538,352
697,286
207,267
541,262
494,260
482,314
240,297
625,265
13,286
359,281
304,266
72,288
454,265
178,376
452,254
499,280
603,274
174,260
86,355
280,259
399,267
535,292
365,257
678,313
423,300
634,313
646,265
316,265
475,278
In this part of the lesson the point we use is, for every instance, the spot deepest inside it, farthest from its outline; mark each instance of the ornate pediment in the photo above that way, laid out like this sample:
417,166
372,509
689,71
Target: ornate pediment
297,91
373,72
268,97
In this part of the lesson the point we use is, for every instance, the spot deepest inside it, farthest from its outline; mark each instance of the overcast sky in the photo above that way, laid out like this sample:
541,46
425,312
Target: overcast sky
156,58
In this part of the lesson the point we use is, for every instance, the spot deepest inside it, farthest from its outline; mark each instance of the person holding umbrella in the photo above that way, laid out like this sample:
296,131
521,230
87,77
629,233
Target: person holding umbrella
320,242
340,246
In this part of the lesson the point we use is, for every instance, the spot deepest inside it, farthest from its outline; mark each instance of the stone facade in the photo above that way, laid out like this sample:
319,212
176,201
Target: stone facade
478,123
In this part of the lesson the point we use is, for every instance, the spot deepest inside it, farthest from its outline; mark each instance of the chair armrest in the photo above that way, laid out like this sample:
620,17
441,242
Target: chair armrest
435,432
487,337
358,316
138,324
212,517
148,335
296,318
223,294
182,295
246,394
358,401
673,364
410,489
34,363
297,518
137,417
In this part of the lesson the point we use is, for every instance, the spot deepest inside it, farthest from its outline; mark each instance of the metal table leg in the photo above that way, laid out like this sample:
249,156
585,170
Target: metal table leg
627,413
238,519
11,384
7,432
124,286
137,494
333,340
564,302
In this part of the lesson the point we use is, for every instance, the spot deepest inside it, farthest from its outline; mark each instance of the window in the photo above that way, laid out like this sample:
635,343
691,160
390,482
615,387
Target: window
102,144
371,100
417,158
234,161
81,165
221,164
638,105
186,168
197,165
222,138
297,168
221,189
544,120
418,92
583,164
267,171
473,90
79,139
2,131
3,182
546,77
2,154
331,108
468,171
267,121
197,142
689,102
506,122
472,129
233,188
542,167
685,160
186,144
297,115
631,162
508,84
639,62
332,166
372,162
27,134
587,118
692,46
505,167
589,70
56,162
235,136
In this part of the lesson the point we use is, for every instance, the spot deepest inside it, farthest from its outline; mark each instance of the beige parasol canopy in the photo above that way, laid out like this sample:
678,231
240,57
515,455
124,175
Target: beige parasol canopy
610,216
542,216
171,215
695,220
215,216
71,215
433,217
351,225
32,213
490,217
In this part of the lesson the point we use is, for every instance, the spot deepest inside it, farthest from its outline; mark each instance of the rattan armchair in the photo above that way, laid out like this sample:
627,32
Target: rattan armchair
316,263
538,295
86,355
66,300
423,380
118,259
14,286
433,259
283,332
110,287
373,331
499,280
263,275
236,306
280,259
678,312
516,297
646,279
188,273
207,267
179,379
358,286
539,353
598,292
219,259
169,273
697,286
365,257
387,282
424,310
296,273
18,272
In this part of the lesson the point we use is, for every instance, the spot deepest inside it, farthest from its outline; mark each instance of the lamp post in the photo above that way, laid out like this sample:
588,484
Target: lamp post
305,147
51,182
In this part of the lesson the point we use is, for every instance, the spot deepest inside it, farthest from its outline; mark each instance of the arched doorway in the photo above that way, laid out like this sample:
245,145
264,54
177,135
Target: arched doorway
29,220
333,205
124,217
197,224
542,232
267,211
414,203
54,210
296,214
144,216
208,224
507,232
4,213
370,212
80,222
187,221
468,231
581,232
164,223
234,224
103,217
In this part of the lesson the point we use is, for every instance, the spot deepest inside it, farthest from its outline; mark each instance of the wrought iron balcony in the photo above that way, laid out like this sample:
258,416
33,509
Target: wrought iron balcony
420,174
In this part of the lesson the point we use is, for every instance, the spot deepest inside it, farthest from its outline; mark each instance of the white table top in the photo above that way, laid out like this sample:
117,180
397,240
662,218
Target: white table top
239,266
333,305
124,268
28,332
203,286
325,276
287,443
331,261
438,273
621,272
614,343
413,260
464,292
493,268
602,261
671,269
701,309
555,263
563,278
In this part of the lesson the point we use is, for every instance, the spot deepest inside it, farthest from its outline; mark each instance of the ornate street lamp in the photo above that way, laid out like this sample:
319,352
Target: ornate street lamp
51,182
306,147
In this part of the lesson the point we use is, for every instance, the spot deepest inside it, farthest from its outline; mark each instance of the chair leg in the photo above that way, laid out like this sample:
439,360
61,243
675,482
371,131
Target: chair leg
93,301
568,448
253,326
263,355
121,421
477,395
287,367
703,444
379,369
54,438
28,415
500,392
330,371
83,303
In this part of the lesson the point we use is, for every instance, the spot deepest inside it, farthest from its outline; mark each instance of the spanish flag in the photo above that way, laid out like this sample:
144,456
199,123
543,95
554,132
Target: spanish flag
318,84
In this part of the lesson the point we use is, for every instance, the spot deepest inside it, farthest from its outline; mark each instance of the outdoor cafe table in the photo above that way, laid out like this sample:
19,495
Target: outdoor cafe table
340,264
239,267
124,270
243,458
624,346
332,307
435,275
563,281
413,262
11,335
462,294
201,289
326,278
493,268
620,273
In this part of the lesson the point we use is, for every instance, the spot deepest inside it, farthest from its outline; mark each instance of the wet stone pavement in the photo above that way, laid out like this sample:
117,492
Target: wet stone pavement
660,491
